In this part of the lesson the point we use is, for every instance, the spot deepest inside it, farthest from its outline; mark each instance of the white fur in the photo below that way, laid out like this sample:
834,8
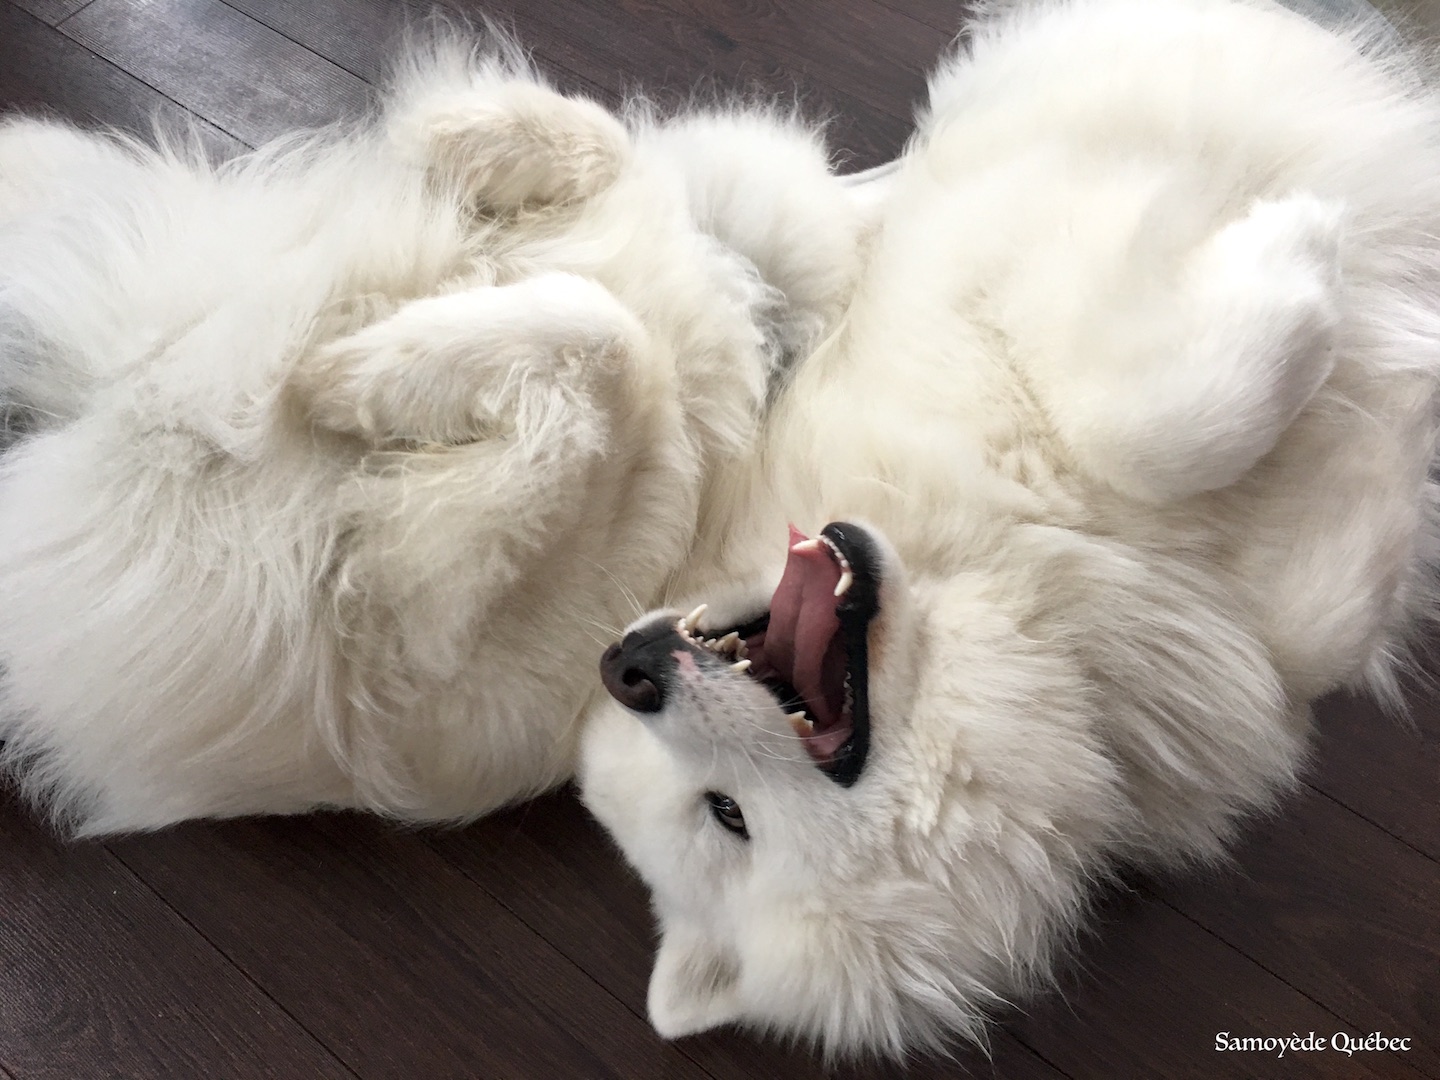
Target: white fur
1138,384
330,468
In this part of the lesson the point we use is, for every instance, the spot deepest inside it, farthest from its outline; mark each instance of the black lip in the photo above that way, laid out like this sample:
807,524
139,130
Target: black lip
646,655
856,609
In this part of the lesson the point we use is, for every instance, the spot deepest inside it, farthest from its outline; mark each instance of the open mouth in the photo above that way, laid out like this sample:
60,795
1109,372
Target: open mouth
810,649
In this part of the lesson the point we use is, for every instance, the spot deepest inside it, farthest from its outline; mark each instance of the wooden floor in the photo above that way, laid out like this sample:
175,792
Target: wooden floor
338,946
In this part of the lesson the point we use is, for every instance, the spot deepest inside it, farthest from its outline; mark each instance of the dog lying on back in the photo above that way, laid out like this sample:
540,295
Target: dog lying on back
1117,461
327,469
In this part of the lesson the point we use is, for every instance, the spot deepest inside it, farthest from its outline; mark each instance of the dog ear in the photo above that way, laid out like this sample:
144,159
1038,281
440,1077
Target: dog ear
692,988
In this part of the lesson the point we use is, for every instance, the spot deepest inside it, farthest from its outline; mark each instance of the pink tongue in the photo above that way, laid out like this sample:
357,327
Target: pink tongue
803,626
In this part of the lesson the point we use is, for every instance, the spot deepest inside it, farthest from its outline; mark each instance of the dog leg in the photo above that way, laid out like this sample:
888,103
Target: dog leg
1185,392
470,365
550,473
512,144
762,185
505,419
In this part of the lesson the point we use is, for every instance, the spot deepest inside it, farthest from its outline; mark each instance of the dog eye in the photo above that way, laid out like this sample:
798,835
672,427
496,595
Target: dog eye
727,811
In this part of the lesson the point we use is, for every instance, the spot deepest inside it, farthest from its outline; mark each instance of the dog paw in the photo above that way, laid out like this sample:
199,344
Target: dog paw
517,145
1298,231
1282,258
1277,272
480,363
1261,303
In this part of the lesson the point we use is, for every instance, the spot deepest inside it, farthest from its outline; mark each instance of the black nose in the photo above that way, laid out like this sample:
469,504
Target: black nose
635,670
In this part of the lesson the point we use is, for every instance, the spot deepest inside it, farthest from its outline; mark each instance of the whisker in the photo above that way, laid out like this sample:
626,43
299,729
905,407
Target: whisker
611,632
626,593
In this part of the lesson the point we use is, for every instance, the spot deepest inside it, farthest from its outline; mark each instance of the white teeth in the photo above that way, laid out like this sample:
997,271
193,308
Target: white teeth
730,646
801,724
691,621
835,551
847,576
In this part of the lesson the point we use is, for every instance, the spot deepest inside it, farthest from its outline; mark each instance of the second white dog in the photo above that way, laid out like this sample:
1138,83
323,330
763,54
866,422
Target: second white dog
1123,449
326,471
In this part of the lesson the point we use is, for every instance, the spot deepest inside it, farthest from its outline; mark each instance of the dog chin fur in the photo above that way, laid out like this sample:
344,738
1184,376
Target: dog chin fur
1137,389
328,467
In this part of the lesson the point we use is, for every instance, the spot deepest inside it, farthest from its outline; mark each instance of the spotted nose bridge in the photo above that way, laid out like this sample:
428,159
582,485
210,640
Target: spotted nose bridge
638,669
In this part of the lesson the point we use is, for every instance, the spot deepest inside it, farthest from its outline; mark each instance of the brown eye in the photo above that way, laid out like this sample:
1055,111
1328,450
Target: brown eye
727,811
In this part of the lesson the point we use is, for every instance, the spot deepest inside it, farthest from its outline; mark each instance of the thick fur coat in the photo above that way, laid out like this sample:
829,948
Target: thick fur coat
330,467
1125,443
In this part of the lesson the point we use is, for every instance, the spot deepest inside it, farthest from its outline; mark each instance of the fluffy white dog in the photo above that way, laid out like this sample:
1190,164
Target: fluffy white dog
1134,406
330,470
326,467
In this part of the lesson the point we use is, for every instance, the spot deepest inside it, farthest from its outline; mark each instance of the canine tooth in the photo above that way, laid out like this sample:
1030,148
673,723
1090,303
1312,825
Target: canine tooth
803,546
740,665
692,620
843,585
835,551
801,724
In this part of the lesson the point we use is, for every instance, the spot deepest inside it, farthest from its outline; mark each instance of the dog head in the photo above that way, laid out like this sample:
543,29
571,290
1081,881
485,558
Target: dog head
860,807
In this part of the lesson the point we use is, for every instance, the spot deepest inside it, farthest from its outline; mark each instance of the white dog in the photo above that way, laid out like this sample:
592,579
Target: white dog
1135,405
329,471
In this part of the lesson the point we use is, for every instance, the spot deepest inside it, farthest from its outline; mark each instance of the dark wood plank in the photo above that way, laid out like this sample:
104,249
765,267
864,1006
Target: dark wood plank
687,43
392,957
447,955
569,38
1306,903
554,867
101,979
1385,769
357,35
50,11
362,35
1153,992
241,76
947,16
704,61
820,36
44,72
606,51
